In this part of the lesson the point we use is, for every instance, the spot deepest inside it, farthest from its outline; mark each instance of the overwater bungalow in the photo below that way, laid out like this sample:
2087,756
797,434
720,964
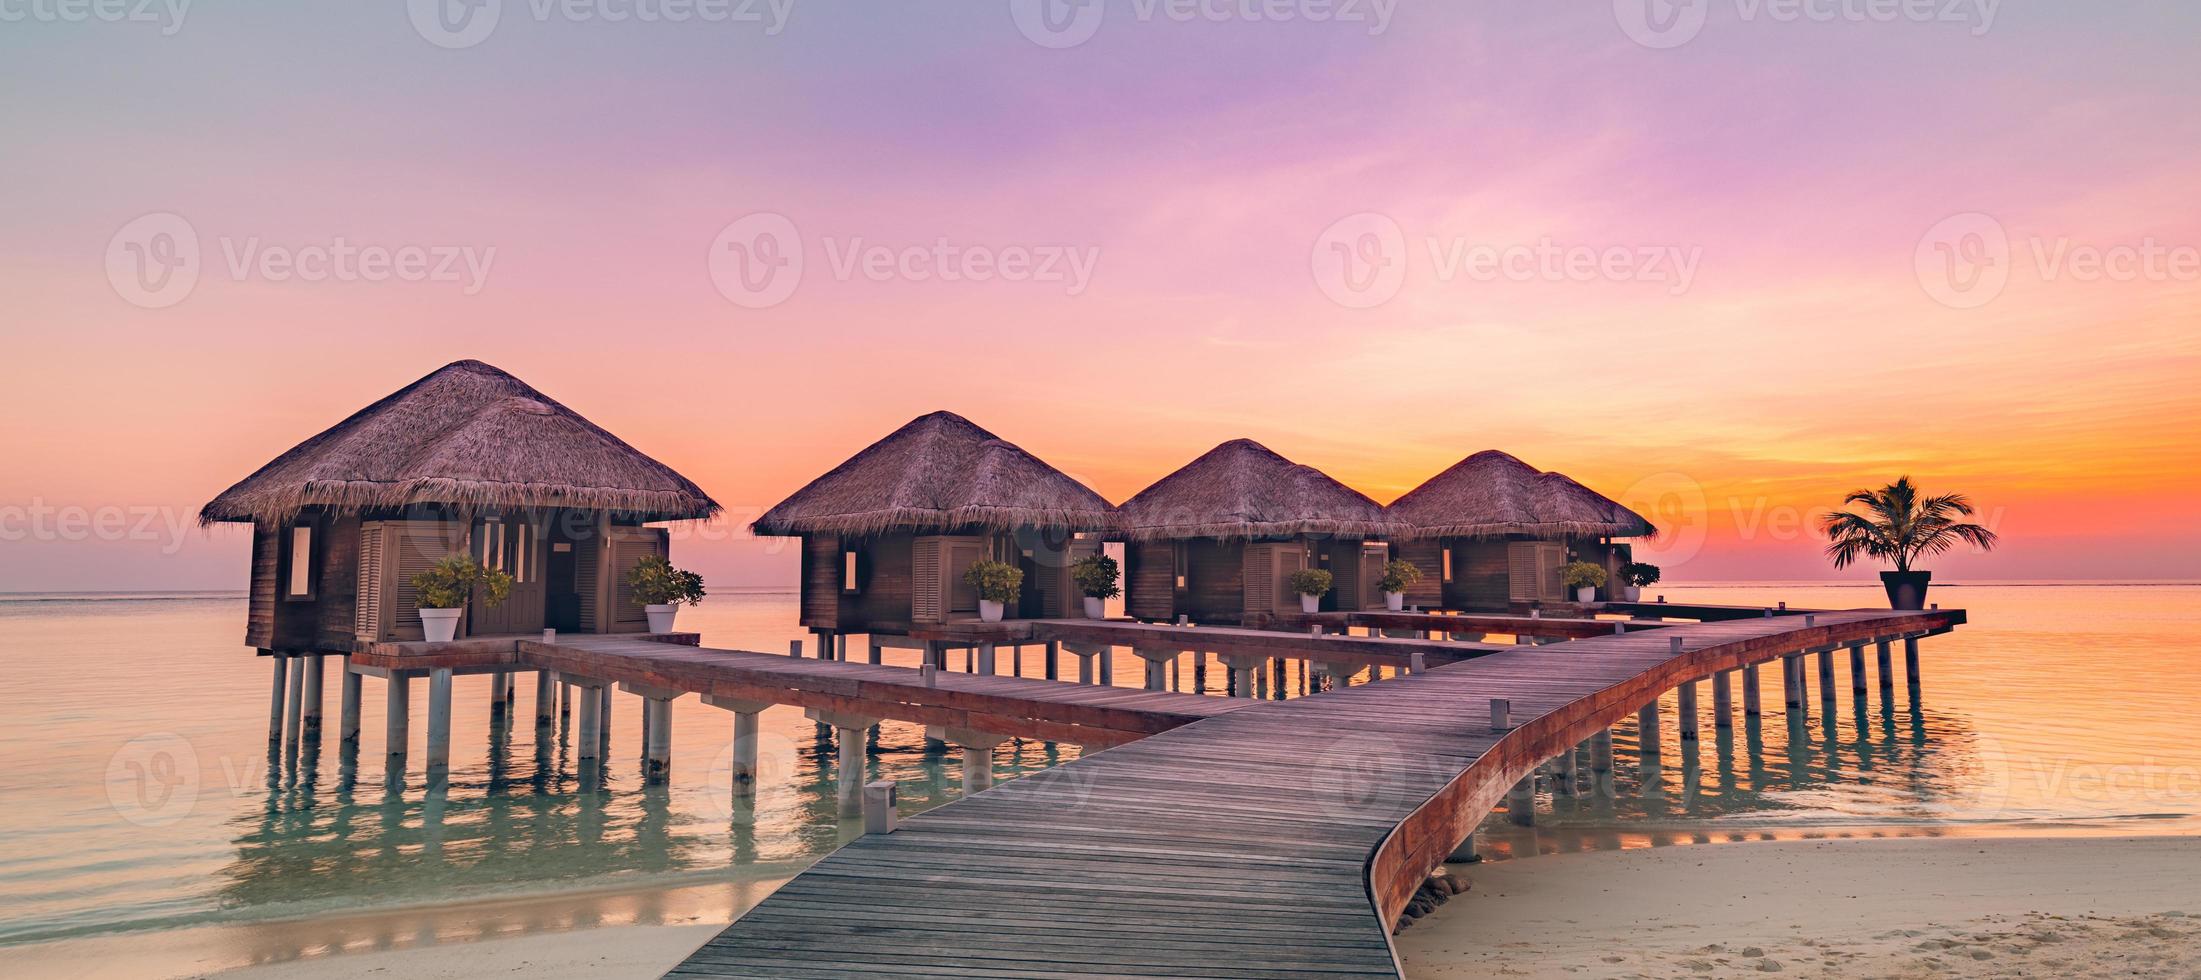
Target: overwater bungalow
887,535
1217,540
468,460
1492,532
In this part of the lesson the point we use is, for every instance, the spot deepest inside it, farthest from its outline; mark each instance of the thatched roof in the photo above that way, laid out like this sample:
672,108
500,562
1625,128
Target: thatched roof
1491,494
468,435
1241,489
939,472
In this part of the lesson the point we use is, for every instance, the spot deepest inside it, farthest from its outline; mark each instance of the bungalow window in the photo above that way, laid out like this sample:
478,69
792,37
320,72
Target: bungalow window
298,579
848,571
1447,562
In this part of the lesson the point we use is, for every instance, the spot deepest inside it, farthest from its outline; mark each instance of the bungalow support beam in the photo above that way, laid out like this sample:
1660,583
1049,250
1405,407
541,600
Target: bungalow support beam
498,682
1723,699
1910,660
275,701
546,697
397,716
978,757
1887,668
588,736
849,763
347,719
311,716
1242,668
1157,666
746,714
1857,671
296,699
1521,802
1646,719
1753,703
439,719
1826,674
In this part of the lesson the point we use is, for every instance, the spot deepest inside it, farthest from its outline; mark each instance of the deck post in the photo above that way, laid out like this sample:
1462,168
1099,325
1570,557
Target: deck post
589,736
496,693
978,757
275,701
1568,773
1242,667
1687,694
987,663
546,697
849,756
1601,753
347,712
603,721
1157,666
1910,659
439,719
1108,667
873,652
1857,671
1646,719
1826,674
1501,715
397,724
1465,853
1752,703
296,701
1791,682
658,750
1887,667
745,738
565,698
1054,660
313,698
1723,699
1521,802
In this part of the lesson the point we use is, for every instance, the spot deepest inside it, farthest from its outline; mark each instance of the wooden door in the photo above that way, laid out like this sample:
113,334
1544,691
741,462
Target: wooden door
515,548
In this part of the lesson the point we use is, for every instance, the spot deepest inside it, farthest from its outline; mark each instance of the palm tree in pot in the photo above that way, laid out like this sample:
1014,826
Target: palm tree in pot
1900,526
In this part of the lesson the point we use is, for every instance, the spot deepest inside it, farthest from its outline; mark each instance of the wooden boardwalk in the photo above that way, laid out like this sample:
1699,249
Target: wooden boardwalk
1280,839
1087,715
1334,647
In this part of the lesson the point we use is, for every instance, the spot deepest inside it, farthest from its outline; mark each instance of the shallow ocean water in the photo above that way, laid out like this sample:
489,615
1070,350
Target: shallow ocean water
141,796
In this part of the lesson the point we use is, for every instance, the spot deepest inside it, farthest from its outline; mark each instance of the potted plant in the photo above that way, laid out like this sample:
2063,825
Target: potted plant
1899,526
446,586
1097,577
1585,578
1398,576
1311,584
1637,575
998,584
660,589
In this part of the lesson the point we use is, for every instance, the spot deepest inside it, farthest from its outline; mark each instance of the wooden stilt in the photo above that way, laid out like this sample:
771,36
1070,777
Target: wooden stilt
439,719
1887,667
1910,659
1857,671
1687,694
1054,660
275,701
1723,699
1752,703
347,719
1521,802
397,715
296,700
588,736
658,749
546,697
1647,737
311,715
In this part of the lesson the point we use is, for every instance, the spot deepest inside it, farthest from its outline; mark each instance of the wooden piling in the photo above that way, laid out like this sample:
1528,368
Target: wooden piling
1521,802
658,749
275,700
1910,659
1687,694
1857,671
1887,667
311,716
439,719
1647,737
397,715
1723,699
296,700
588,736
347,719
1753,704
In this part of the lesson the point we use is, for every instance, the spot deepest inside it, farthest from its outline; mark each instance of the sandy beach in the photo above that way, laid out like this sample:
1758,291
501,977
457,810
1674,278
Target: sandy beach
1846,908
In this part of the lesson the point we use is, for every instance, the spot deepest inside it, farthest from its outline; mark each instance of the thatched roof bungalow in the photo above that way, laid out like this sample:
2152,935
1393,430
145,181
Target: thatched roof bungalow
1216,540
1495,531
468,459
888,534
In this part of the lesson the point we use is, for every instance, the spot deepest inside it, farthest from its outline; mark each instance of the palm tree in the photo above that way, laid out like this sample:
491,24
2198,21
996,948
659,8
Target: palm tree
1899,526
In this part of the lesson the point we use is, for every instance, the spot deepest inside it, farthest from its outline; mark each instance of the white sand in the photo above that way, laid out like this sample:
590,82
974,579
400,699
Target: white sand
1847,908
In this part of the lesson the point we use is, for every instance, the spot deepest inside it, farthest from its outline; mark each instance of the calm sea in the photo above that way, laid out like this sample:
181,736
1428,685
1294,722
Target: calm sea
139,795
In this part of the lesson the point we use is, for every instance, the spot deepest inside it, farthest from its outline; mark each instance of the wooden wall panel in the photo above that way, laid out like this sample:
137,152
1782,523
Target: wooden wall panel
1479,575
1428,555
1150,584
260,612
822,567
887,573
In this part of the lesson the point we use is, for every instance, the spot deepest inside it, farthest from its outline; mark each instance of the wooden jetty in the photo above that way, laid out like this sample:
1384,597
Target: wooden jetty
1281,839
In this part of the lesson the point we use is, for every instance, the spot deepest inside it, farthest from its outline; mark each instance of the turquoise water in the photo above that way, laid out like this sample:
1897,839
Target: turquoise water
140,796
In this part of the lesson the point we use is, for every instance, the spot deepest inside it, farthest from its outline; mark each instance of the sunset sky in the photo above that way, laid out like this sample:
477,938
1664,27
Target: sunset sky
1730,275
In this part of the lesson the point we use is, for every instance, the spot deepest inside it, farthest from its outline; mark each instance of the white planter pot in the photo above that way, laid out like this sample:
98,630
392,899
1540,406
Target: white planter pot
1631,593
1310,603
1586,594
1095,608
1394,601
661,616
440,625
989,610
